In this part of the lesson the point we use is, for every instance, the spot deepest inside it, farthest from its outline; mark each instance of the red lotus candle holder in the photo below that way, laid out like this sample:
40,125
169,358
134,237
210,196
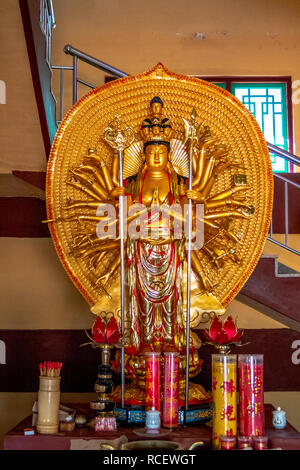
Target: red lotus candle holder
105,332
223,335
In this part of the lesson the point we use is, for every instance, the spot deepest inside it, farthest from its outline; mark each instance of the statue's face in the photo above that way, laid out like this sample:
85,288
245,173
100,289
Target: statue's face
156,157
155,109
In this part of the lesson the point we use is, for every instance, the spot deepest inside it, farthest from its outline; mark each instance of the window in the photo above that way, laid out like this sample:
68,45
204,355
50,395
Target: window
269,100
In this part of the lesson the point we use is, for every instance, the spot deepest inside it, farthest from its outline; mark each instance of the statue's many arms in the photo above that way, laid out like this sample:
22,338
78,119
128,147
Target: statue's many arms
155,176
155,273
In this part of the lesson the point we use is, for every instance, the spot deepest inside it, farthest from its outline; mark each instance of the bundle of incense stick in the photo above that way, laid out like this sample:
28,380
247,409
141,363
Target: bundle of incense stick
50,369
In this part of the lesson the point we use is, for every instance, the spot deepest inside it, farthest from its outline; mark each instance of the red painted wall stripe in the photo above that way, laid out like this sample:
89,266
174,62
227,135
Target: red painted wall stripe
36,178
22,217
26,348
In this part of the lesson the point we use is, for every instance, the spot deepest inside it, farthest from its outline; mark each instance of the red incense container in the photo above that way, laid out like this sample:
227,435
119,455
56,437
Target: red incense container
152,386
251,388
171,390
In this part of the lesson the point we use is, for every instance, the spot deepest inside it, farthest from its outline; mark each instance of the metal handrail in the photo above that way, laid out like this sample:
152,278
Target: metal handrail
283,245
79,55
62,68
270,238
284,154
286,180
83,82
51,11
68,49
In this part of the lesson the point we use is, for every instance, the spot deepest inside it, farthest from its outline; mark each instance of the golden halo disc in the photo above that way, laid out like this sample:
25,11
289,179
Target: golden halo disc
229,120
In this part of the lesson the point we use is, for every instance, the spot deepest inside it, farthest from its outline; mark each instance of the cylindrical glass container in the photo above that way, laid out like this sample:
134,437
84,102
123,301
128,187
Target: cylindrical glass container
260,442
152,384
227,442
48,405
171,390
244,442
251,389
224,385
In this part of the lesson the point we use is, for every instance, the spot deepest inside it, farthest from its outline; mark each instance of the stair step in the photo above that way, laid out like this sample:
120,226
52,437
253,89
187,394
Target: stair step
284,256
279,292
286,271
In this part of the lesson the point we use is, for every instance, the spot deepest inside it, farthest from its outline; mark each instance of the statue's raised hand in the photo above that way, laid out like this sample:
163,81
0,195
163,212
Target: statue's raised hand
196,196
116,192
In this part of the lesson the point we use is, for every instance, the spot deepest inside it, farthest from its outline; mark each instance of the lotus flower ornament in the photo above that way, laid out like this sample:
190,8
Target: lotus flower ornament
105,331
223,335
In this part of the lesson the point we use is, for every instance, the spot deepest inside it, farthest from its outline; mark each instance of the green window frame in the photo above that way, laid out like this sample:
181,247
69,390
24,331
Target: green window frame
269,100
267,103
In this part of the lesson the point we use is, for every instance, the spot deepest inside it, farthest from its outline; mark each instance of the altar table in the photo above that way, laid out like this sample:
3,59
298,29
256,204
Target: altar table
287,439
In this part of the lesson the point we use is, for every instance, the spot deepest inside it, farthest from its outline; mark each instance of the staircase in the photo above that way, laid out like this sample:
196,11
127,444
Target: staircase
273,288
38,21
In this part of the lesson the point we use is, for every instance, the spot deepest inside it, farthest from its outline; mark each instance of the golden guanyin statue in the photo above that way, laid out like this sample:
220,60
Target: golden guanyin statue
231,182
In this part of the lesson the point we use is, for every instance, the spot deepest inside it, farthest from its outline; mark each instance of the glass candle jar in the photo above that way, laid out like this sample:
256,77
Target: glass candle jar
244,442
227,442
224,385
260,442
152,383
251,389
171,390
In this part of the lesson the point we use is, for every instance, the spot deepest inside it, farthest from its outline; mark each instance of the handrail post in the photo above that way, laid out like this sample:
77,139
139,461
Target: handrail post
68,49
75,63
61,106
284,154
286,212
271,227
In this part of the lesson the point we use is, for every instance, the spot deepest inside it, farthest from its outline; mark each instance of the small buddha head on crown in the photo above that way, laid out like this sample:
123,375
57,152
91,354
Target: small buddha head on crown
156,106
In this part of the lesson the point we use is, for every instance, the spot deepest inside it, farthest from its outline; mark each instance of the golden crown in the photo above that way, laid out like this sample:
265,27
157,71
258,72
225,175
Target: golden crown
156,129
